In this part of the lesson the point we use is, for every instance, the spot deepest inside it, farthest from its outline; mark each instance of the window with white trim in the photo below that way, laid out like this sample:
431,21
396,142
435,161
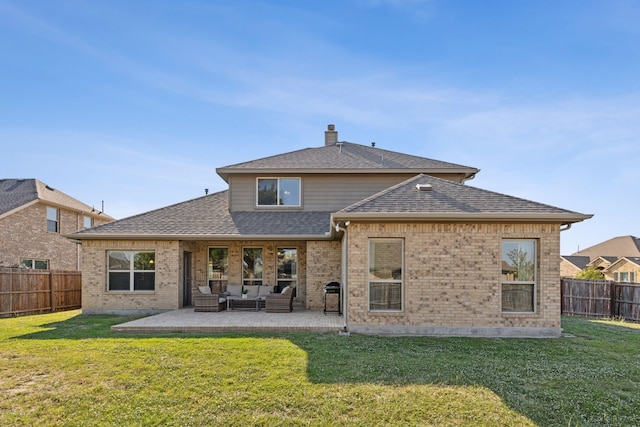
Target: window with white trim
278,192
36,264
131,271
52,220
287,267
87,222
386,274
519,261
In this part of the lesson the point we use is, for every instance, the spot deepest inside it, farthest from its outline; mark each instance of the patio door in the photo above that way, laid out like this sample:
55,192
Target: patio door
186,279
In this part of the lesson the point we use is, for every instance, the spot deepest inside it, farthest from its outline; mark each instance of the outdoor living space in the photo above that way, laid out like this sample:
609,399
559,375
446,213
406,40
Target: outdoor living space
188,320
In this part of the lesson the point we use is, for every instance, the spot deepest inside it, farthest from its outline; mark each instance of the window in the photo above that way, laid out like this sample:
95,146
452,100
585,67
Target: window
287,267
37,264
385,274
624,276
518,275
278,192
218,264
87,222
131,271
252,266
52,220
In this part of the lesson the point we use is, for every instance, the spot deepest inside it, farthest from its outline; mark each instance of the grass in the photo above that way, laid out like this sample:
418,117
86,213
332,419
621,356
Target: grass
67,369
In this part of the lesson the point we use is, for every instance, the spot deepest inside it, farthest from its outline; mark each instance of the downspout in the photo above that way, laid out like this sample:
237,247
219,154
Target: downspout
343,273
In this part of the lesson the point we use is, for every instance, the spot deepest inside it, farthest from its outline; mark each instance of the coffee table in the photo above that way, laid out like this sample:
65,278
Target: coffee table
232,298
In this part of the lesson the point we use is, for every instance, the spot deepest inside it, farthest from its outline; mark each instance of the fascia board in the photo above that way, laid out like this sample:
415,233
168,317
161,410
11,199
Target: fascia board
193,237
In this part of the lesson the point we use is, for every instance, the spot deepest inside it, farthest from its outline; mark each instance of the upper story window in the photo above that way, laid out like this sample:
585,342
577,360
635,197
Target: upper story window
519,275
87,222
52,220
278,192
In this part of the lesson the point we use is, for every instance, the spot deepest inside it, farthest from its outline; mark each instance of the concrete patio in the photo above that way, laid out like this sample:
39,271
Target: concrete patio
187,320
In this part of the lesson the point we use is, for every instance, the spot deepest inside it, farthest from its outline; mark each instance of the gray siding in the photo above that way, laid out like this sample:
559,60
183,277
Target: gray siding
320,192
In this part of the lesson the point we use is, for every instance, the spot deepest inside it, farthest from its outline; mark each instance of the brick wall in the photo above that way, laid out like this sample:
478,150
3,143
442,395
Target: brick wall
166,296
323,266
24,235
452,276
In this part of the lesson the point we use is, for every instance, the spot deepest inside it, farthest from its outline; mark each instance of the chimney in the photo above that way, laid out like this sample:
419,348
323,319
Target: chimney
330,135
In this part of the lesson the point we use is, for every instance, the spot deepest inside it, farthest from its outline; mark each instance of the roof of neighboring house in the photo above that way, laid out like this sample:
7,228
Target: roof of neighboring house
19,193
208,217
345,157
621,246
580,262
446,200
631,259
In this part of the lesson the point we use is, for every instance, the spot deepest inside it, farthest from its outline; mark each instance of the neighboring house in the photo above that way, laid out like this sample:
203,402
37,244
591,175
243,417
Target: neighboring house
415,250
33,219
625,269
605,257
572,265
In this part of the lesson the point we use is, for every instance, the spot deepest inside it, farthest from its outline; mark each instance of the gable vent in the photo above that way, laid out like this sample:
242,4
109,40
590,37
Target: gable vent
424,187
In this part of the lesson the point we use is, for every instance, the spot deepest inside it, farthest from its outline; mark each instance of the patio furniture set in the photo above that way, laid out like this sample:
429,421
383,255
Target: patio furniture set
239,296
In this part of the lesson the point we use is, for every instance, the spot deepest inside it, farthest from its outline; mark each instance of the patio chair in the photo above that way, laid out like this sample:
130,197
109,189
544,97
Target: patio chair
203,301
280,303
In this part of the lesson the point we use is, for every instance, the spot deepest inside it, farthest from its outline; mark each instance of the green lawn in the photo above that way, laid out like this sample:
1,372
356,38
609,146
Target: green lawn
69,369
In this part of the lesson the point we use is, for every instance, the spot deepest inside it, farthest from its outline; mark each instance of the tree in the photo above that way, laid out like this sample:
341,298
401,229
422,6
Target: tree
590,273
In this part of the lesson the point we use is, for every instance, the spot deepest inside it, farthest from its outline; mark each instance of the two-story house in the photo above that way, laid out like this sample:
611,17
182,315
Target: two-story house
34,218
416,251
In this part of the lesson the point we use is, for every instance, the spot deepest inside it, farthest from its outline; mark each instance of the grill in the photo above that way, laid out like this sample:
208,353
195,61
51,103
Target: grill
333,288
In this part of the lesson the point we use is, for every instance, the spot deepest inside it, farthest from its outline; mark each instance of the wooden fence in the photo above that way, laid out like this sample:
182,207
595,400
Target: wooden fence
600,298
24,291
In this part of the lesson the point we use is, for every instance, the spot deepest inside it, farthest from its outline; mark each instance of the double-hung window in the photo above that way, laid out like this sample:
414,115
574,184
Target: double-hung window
52,220
519,260
131,271
386,274
278,192
87,222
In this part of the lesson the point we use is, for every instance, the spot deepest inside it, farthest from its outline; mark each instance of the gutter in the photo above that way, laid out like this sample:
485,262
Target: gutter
193,237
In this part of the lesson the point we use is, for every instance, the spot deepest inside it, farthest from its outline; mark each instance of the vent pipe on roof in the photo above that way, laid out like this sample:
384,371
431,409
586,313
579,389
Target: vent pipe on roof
330,135
424,187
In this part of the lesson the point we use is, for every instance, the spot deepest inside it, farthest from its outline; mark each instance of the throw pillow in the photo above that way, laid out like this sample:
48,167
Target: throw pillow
285,290
205,290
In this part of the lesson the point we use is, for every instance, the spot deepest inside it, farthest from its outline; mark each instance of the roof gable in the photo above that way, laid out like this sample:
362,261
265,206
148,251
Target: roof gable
579,262
344,157
443,199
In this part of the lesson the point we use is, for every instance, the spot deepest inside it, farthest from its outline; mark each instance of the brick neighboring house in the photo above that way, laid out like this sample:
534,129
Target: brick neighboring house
33,219
415,250
616,258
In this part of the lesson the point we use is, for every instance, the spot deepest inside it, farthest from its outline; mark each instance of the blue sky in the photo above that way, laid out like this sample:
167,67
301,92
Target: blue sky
135,103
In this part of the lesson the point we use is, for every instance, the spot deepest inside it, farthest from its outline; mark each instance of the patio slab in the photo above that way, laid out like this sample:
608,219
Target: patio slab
187,320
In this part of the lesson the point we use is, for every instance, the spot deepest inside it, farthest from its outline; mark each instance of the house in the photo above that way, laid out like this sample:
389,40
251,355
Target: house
570,266
603,256
416,251
624,269
34,218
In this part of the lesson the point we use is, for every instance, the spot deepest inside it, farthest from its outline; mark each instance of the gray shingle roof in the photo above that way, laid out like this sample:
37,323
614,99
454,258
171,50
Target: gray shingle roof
209,217
580,262
15,193
616,247
346,157
449,200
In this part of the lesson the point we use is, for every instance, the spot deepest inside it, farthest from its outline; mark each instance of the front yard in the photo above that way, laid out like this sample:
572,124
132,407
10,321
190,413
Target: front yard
69,369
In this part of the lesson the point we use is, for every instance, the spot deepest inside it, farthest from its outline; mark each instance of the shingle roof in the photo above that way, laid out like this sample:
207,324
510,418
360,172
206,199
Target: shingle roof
344,157
620,246
450,200
15,193
209,217
580,262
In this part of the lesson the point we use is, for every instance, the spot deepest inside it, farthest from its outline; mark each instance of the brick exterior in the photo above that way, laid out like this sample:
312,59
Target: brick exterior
623,266
24,235
452,279
567,269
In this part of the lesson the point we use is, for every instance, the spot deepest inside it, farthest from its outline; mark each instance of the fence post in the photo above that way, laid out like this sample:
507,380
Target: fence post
561,296
613,311
51,297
